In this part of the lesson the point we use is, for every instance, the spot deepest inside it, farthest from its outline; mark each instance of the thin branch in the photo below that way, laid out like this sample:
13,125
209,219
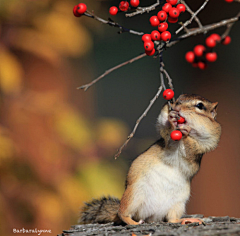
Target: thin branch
229,27
141,10
209,27
194,16
163,71
86,86
192,13
112,23
139,120
168,77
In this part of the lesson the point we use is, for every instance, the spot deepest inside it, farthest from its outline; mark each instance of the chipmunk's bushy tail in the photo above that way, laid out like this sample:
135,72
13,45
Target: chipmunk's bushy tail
102,211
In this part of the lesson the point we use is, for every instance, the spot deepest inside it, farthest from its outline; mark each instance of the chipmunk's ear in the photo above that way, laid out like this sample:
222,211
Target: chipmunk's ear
214,110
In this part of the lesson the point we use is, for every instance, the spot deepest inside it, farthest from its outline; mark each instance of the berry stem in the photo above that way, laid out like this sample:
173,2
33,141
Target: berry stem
141,10
112,23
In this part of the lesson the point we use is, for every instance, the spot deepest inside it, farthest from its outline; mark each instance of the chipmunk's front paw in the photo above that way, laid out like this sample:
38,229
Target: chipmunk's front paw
185,129
173,118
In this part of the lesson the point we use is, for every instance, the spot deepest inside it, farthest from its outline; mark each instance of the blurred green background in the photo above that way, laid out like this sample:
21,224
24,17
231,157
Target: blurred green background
57,143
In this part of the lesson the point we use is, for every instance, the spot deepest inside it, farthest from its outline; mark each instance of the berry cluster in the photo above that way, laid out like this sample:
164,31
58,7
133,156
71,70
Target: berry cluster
79,9
123,6
170,12
201,55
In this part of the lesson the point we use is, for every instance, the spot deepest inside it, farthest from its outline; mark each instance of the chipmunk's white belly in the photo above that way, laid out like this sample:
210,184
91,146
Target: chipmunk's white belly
159,191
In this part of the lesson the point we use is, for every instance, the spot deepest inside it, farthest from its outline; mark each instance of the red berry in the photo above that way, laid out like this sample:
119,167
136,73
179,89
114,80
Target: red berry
124,5
155,35
162,15
181,7
229,0
198,50
166,7
180,120
81,8
176,135
168,94
227,40
150,53
113,10
146,37
202,65
154,21
210,42
166,36
216,37
174,12
163,26
148,45
75,13
172,2
172,20
190,56
211,56
134,3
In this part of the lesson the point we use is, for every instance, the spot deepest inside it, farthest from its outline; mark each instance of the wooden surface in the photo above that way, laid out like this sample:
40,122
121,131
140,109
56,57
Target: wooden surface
213,226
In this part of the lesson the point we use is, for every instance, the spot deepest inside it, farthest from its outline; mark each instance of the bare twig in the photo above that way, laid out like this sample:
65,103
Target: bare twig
194,15
163,71
229,27
209,27
86,86
139,120
168,77
112,23
141,10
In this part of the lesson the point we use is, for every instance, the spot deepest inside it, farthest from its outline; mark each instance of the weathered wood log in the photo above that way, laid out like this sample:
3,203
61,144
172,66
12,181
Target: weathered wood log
213,226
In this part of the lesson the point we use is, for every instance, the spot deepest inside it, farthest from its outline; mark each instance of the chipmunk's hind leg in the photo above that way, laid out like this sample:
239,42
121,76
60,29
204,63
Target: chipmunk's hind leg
174,215
128,220
128,207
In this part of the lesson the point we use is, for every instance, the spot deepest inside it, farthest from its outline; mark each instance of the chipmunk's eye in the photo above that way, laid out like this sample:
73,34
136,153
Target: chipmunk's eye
200,106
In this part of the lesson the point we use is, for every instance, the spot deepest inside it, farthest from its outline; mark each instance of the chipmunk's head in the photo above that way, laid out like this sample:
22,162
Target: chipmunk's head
200,115
195,104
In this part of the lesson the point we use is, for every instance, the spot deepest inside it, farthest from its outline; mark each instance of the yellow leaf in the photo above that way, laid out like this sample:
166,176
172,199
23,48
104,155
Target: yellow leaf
111,132
49,207
73,128
63,33
102,179
6,147
73,193
10,73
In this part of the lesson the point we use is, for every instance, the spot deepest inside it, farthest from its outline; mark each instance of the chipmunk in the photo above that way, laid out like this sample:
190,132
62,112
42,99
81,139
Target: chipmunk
158,181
